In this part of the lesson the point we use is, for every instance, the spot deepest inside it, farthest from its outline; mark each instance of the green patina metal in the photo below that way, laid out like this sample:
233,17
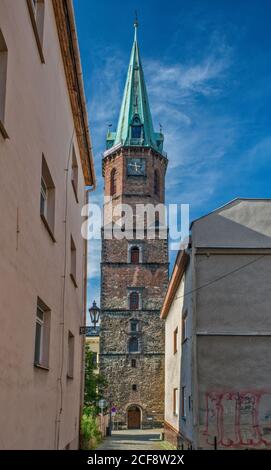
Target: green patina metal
135,127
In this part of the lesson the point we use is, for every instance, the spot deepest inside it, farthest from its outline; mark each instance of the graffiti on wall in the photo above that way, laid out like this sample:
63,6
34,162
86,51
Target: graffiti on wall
238,419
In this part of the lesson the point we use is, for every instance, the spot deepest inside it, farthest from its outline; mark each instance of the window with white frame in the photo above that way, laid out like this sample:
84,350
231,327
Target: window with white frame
70,368
47,198
184,402
3,82
175,401
42,335
184,327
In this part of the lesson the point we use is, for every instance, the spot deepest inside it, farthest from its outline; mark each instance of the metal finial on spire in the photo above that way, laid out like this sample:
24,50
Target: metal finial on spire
136,24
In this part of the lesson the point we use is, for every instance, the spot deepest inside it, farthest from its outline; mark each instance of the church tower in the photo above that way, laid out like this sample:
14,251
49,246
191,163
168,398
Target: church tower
134,271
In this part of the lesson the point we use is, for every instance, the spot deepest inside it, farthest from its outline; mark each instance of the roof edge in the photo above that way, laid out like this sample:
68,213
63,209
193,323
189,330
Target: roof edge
180,266
228,204
66,27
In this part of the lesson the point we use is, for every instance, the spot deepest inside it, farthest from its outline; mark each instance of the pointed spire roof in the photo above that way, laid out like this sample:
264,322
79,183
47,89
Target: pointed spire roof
135,127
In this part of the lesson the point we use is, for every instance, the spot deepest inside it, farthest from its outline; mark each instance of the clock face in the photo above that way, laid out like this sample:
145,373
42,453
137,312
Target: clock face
136,166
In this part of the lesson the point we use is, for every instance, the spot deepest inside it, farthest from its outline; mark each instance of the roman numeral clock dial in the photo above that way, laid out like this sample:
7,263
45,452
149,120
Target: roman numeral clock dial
136,167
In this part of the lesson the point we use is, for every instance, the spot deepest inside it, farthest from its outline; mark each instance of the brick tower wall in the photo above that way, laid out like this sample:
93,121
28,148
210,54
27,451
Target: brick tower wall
118,278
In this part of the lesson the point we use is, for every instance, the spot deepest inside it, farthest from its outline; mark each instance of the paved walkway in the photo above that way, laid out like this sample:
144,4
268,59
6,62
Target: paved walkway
133,439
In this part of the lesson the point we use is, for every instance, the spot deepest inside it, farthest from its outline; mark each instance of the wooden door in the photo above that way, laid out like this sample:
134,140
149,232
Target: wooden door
134,418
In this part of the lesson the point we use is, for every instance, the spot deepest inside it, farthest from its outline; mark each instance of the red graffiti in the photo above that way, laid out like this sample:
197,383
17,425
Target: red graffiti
238,419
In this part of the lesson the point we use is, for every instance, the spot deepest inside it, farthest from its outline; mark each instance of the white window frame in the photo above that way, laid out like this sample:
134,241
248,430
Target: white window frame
40,322
184,327
175,401
184,411
44,196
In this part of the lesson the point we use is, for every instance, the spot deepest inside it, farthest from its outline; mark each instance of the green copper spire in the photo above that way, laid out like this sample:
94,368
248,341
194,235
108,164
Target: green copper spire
135,126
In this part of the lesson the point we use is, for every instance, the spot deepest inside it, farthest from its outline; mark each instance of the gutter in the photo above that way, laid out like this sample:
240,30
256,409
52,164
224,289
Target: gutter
81,86
176,277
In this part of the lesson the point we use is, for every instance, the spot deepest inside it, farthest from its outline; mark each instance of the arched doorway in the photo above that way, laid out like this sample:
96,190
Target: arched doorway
133,417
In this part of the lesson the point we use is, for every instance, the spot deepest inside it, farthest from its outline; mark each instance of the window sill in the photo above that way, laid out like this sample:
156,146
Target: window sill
40,366
69,377
47,226
183,418
175,414
73,280
35,29
3,130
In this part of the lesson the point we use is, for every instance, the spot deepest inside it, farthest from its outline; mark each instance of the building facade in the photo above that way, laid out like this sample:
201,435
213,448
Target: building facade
46,163
219,299
134,269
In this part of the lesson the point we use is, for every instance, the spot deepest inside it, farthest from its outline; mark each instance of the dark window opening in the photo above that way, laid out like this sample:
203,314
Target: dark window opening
113,182
134,301
133,345
136,132
133,363
135,255
134,326
134,387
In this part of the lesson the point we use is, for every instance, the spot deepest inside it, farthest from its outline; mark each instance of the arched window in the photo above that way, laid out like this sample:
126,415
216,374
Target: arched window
156,183
113,182
135,255
134,301
133,345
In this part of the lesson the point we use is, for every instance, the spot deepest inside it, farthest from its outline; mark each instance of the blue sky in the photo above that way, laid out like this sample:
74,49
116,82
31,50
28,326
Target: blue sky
207,66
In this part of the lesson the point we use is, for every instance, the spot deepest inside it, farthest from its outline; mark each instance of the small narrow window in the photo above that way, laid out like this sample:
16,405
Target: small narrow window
135,255
36,10
134,387
74,175
133,363
175,401
175,341
136,128
136,132
156,183
183,402
113,182
3,82
184,327
133,345
134,301
73,262
134,326
47,198
42,335
70,368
